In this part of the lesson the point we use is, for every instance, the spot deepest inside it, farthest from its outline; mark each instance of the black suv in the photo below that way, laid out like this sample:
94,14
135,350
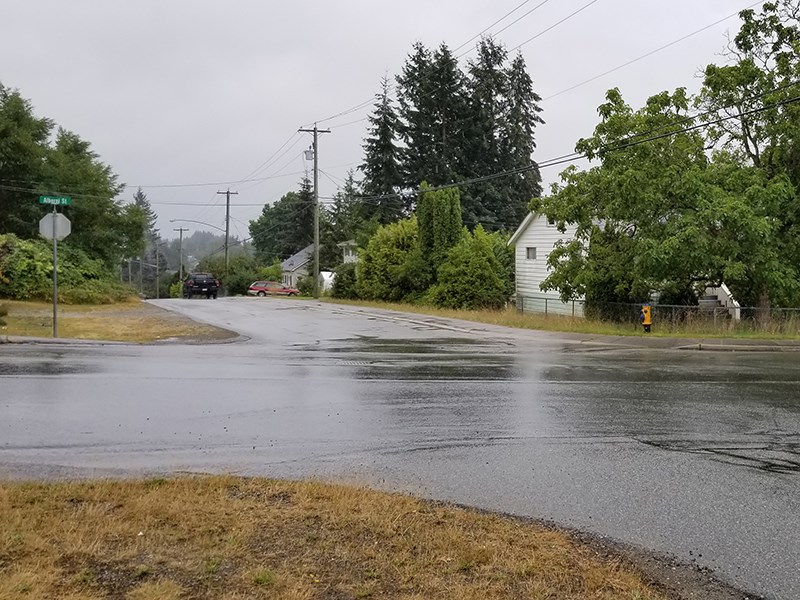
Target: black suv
200,284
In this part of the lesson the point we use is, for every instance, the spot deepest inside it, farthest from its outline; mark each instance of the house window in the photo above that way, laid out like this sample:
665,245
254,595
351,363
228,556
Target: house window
530,253
551,221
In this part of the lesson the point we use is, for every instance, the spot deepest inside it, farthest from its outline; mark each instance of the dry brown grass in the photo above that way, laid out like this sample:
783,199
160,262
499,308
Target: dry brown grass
511,317
133,321
231,538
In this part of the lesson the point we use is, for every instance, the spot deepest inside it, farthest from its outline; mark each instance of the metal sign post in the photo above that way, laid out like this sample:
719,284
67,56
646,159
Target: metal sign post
55,226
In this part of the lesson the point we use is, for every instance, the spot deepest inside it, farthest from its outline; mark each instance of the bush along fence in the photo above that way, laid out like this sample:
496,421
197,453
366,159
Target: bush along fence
669,317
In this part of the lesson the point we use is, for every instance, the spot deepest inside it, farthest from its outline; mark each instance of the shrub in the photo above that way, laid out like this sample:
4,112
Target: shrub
388,266
274,272
26,269
26,273
344,283
306,285
3,313
94,291
176,289
469,278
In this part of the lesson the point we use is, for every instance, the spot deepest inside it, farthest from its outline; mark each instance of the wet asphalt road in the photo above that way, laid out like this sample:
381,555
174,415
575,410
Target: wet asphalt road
696,454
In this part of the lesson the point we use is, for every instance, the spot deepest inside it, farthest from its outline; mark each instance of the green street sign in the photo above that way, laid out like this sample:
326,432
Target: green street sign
55,200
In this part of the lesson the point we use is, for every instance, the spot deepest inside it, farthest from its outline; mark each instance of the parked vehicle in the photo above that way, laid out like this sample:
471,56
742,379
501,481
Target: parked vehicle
201,284
271,288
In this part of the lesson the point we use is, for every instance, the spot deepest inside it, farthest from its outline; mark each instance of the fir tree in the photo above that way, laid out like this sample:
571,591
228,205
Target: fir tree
341,222
517,144
381,168
449,111
140,200
487,85
417,127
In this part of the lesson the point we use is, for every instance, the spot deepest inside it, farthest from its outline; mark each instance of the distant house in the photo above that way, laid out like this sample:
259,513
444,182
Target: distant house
533,242
349,251
296,267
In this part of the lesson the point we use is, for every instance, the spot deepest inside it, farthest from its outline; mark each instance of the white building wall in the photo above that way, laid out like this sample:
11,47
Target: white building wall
530,273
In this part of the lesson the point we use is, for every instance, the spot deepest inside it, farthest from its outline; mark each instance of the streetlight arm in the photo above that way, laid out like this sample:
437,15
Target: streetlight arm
200,222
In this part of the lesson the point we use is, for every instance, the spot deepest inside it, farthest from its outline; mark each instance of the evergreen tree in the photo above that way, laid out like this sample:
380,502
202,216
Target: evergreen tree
439,223
488,84
140,200
417,128
434,108
341,222
517,143
455,126
381,168
448,107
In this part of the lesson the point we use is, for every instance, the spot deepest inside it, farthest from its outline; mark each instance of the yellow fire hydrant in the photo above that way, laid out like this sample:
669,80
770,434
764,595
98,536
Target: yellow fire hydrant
646,317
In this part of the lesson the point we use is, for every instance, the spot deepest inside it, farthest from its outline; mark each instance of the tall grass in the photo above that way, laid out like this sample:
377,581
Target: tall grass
691,327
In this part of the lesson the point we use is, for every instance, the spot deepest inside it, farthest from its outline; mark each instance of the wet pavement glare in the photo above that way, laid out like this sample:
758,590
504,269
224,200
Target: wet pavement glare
696,454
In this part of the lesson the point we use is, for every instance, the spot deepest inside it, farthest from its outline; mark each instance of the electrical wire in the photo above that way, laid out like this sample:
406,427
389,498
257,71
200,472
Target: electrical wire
554,25
508,14
270,160
624,144
648,54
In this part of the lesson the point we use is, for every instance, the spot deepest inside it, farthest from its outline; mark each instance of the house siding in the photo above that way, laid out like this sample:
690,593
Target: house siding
530,273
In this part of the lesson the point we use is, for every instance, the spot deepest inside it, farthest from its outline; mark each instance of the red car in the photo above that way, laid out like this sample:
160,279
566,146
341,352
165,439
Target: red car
271,288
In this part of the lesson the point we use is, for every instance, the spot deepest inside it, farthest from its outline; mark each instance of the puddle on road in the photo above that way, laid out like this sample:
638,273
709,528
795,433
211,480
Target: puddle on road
44,367
410,359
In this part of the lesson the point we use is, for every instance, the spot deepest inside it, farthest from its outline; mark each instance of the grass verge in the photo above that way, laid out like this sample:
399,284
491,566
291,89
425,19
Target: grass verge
235,538
133,321
511,317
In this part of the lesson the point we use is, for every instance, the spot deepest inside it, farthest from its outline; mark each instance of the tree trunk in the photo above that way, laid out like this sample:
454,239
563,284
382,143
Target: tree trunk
763,312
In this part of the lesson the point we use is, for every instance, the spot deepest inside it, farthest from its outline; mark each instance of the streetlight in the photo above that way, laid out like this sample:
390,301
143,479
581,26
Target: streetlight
201,223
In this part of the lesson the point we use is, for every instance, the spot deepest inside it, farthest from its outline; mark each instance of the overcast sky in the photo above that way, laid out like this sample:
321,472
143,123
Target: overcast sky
198,92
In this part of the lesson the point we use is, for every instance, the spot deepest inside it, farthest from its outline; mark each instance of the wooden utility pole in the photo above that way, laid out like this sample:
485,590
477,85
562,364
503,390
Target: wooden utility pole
227,193
180,231
316,133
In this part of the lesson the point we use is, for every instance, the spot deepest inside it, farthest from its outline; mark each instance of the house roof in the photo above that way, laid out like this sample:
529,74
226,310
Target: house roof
347,244
298,260
522,227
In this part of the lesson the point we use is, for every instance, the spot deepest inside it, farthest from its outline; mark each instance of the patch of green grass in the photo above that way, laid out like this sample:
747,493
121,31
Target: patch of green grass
212,565
264,577
142,571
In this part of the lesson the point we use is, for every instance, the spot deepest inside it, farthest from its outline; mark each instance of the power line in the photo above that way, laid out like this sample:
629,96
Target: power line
274,156
648,54
554,25
477,35
624,144
514,22
392,88
543,164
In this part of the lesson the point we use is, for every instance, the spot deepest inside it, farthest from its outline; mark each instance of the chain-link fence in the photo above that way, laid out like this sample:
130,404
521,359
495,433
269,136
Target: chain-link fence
671,317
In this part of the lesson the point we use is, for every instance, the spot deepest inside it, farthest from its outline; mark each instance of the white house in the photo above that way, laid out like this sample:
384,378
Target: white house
296,267
349,251
533,241
536,238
